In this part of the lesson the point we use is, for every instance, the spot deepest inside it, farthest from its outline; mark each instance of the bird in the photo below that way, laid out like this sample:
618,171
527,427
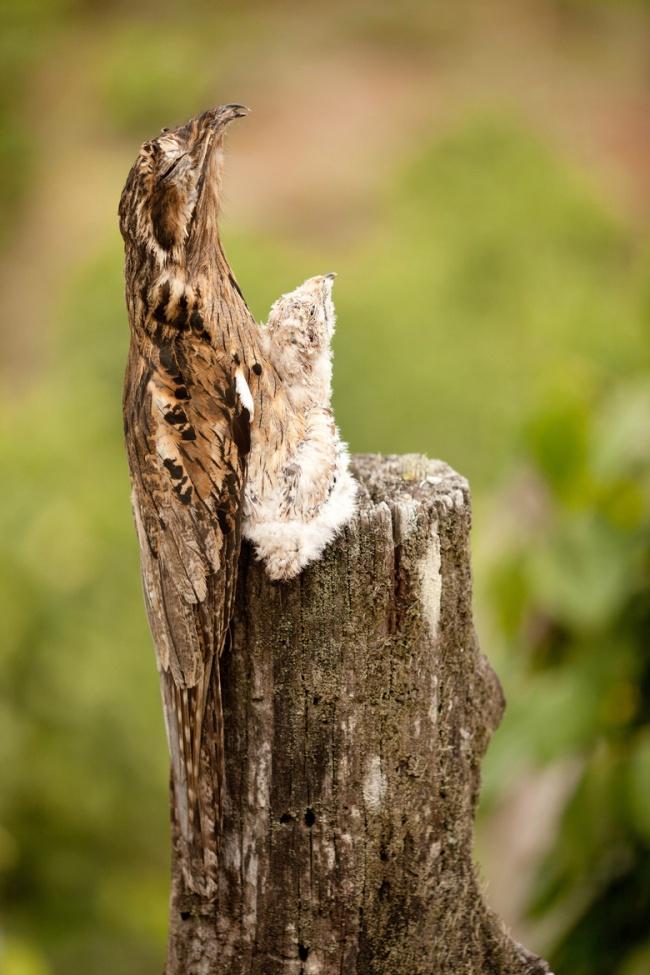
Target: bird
199,393
292,517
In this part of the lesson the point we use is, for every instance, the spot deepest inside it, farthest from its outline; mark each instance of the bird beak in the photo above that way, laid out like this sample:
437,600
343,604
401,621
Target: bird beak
321,282
224,114
209,131
211,123
235,111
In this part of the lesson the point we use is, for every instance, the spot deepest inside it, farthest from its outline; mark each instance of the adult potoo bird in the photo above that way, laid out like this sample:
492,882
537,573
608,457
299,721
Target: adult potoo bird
293,517
196,376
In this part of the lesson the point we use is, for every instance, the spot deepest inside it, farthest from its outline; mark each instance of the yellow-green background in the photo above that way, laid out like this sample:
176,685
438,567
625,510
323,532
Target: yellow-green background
479,176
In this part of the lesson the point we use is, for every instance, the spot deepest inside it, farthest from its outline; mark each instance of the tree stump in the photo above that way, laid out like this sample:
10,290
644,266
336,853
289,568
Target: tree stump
357,709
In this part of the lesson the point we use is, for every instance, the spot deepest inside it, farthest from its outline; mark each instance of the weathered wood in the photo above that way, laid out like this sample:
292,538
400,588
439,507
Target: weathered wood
357,709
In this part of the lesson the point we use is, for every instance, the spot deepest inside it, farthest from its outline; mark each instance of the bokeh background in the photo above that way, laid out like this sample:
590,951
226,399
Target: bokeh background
479,176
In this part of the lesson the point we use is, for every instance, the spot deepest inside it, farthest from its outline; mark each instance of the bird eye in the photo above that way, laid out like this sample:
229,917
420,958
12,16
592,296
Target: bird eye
169,169
173,166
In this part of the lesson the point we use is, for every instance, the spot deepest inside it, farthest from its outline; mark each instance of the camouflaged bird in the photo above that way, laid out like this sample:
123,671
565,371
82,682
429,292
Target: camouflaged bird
293,517
199,391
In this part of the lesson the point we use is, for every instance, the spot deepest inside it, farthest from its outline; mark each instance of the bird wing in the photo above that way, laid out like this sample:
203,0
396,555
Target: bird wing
188,459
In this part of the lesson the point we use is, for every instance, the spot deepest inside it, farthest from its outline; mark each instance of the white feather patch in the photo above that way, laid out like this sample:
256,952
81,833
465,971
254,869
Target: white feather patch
244,393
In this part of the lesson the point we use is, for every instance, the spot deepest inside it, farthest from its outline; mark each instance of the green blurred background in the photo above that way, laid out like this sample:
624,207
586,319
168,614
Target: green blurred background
479,176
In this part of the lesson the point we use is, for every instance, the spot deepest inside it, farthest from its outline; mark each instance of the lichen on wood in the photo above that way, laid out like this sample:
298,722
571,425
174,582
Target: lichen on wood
357,709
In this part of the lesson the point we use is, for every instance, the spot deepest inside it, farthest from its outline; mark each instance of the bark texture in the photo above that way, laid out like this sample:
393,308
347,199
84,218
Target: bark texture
357,709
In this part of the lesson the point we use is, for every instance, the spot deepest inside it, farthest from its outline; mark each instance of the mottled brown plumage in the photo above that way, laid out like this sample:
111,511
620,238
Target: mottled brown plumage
196,372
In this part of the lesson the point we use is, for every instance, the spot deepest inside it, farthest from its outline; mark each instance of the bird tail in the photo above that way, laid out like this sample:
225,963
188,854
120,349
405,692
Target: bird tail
194,718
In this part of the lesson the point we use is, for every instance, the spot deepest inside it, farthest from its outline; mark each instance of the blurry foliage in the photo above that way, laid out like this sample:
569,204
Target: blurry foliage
571,587
152,74
84,800
411,25
20,32
490,275
471,295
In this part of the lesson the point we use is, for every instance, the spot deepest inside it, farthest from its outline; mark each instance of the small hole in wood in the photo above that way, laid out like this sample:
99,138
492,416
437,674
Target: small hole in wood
286,818
310,817
303,952
384,890
316,699
185,915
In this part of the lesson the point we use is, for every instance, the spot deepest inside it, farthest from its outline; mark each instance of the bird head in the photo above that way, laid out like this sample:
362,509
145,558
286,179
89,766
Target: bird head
301,323
170,203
